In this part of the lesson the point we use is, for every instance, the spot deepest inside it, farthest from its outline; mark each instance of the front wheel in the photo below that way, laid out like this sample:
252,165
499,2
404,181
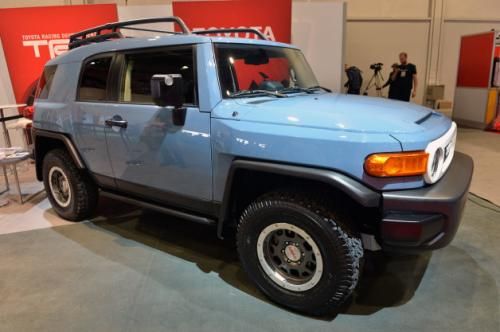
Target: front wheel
301,252
72,193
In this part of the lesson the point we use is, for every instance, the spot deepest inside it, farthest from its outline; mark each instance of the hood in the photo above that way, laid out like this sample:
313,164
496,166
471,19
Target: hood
329,111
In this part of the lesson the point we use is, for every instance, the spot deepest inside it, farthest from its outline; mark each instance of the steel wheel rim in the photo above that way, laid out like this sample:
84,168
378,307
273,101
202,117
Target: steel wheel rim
59,186
290,257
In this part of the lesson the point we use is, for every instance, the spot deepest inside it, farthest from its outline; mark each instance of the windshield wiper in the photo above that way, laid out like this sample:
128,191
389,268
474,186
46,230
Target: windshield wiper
309,90
257,92
316,87
296,89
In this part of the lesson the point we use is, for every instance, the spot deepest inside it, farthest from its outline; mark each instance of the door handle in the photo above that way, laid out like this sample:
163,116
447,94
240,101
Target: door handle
116,122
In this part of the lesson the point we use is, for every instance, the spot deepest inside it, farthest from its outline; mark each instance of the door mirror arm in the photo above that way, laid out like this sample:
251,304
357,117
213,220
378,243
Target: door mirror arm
179,116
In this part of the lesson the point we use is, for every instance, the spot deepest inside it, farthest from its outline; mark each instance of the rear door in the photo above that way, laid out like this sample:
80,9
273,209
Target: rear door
91,108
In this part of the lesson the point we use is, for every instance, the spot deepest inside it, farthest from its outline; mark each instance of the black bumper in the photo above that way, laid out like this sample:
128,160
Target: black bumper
426,218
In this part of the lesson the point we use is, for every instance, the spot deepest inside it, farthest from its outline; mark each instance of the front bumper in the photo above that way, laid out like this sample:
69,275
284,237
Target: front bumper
426,218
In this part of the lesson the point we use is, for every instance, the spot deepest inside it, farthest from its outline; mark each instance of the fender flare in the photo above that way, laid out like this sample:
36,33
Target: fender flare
73,152
360,193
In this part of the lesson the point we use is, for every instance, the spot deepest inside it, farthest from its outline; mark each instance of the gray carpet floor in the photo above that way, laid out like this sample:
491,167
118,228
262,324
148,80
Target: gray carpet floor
133,270
484,148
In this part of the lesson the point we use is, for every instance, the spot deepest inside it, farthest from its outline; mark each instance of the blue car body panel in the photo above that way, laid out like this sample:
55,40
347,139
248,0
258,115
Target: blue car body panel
319,130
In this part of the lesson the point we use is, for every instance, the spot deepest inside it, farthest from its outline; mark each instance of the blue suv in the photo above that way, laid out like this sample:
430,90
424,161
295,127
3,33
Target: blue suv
237,133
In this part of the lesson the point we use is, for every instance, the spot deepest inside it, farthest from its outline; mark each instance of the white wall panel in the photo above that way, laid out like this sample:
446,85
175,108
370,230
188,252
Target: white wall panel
6,92
135,12
32,3
318,29
7,97
472,9
371,42
388,8
136,2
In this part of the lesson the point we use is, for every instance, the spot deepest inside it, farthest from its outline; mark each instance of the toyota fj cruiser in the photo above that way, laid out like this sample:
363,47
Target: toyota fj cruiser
237,133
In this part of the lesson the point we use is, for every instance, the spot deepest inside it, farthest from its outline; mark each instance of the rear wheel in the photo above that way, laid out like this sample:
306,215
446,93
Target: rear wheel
72,193
300,251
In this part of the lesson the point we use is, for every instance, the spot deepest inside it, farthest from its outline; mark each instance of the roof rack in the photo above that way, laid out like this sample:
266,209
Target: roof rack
95,34
248,30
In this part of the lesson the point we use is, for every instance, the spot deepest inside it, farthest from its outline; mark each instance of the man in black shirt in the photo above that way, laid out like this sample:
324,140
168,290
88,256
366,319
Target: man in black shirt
406,78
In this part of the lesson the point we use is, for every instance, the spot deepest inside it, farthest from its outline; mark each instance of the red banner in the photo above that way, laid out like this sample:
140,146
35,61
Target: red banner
272,18
474,64
31,36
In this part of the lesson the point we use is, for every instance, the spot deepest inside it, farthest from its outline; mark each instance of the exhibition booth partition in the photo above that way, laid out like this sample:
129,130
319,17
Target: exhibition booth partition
477,94
28,43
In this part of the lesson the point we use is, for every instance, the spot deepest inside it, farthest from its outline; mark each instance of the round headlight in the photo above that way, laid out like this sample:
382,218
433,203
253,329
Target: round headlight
436,163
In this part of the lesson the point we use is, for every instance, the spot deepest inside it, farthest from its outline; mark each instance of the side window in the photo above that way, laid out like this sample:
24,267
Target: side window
45,82
140,67
94,79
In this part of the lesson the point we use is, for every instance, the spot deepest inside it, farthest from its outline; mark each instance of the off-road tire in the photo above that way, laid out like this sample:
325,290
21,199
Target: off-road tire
84,194
328,222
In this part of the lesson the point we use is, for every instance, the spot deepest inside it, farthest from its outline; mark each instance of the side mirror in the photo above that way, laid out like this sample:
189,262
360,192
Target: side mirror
168,90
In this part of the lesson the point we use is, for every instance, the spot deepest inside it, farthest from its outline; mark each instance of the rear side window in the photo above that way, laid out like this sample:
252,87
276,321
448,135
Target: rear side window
45,82
94,79
140,67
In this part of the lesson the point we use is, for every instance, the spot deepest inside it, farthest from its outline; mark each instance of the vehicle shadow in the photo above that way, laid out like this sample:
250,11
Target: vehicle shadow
386,281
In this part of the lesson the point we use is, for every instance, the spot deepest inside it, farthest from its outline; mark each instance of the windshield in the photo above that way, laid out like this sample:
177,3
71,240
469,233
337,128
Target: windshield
252,70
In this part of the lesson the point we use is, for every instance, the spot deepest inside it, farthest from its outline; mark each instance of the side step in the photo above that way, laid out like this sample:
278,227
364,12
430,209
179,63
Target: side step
159,208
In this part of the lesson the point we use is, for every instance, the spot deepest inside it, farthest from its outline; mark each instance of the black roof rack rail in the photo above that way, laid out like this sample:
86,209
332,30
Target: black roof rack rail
210,31
95,39
94,34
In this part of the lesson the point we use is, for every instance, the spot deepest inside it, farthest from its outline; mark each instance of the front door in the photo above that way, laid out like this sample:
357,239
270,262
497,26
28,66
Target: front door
151,157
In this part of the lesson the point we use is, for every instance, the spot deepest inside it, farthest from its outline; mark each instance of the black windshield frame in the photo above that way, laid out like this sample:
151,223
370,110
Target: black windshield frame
227,53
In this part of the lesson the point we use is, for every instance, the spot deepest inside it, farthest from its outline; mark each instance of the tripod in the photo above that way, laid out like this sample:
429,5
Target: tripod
376,80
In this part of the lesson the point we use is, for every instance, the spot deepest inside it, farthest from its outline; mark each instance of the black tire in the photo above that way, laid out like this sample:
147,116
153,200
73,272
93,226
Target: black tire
328,224
82,196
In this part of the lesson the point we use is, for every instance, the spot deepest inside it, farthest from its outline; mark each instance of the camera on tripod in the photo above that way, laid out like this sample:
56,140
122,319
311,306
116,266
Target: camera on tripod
376,66
376,80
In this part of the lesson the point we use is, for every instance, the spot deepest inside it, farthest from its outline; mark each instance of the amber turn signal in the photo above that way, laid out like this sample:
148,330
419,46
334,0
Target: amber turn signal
397,164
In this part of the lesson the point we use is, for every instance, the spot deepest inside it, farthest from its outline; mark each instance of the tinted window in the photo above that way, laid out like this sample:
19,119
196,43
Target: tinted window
94,79
45,82
256,67
140,67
